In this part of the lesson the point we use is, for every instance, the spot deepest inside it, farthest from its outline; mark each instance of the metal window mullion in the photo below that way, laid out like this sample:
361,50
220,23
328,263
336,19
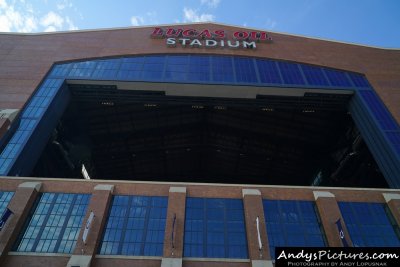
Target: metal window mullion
256,70
278,68
320,226
205,228
392,221
226,245
64,226
326,77
37,239
299,66
146,224
302,223
284,234
233,69
210,68
123,229
356,220
352,84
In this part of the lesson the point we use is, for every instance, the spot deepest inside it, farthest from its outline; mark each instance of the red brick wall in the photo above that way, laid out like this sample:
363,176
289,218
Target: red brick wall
327,210
25,59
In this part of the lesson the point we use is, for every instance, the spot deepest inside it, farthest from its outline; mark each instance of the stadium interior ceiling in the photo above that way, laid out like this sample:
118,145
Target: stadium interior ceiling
150,136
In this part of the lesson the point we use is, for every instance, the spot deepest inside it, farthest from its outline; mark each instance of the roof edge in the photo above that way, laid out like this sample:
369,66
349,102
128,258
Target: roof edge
196,23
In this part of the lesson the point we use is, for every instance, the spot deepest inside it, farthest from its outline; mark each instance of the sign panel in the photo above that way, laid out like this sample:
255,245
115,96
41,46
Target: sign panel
210,38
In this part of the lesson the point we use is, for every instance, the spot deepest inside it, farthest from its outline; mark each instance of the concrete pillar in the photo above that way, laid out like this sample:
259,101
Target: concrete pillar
20,205
99,204
393,202
329,212
253,208
173,251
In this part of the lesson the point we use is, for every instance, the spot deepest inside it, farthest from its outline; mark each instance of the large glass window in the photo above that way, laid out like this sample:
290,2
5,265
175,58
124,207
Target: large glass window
135,226
53,224
215,228
292,224
290,73
268,71
369,224
5,198
222,69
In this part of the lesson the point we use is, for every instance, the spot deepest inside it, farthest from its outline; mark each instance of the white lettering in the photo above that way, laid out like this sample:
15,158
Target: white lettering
283,254
251,45
211,43
183,41
195,43
233,46
171,42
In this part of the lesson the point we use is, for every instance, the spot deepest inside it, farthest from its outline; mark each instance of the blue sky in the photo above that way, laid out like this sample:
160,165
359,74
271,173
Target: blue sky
368,22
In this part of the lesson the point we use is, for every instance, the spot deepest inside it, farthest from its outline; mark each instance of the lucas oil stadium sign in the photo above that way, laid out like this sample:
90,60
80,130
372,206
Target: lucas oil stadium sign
210,38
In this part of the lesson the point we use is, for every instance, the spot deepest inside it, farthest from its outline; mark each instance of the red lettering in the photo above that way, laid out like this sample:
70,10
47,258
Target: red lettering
254,36
219,34
189,33
205,34
241,35
261,36
158,32
173,33
264,36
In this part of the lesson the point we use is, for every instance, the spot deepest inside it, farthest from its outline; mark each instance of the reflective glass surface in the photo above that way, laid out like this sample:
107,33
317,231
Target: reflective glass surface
215,228
53,224
292,224
204,69
370,224
5,197
135,226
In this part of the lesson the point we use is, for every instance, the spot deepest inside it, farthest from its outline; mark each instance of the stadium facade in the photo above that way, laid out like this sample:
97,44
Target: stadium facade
192,145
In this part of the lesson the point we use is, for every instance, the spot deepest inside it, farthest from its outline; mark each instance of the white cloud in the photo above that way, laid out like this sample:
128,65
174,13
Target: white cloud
64,4
148,18
270,23
15,20
71,26
137,20
211,3
52,22
20,16
190,15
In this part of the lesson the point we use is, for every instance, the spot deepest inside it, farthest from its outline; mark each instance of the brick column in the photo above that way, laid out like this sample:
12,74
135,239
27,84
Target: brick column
393,202
20,205
99,204
172,255
329,212
253,208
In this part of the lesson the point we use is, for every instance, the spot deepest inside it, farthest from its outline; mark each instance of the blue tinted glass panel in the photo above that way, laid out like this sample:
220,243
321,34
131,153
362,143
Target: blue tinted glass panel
54,224
199,68
214,228
292,223
337,78
106,69
358,80
5,198
314,75
82,69
369,225
135,226
268,71
245,70
222,69
381,114
291,73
